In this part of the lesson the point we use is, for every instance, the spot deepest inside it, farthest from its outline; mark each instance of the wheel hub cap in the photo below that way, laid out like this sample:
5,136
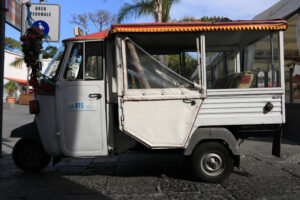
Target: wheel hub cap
212,164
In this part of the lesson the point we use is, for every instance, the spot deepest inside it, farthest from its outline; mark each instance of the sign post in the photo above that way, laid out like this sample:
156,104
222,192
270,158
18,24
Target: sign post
44,16
2,38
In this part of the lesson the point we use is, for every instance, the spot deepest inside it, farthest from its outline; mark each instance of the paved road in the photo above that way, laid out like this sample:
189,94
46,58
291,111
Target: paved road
13,118
150,176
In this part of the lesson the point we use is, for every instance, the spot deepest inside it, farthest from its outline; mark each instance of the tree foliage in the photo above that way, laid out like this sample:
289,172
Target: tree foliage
166,7
80,20
10,87
101,19
49,52
190,64
154,8
136,9
12,44
203,19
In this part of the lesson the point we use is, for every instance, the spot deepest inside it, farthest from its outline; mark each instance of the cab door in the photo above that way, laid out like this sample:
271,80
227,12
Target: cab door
81,101
158,106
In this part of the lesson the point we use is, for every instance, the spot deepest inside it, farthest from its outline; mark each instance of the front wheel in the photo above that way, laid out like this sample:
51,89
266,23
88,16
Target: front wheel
212,162
30,156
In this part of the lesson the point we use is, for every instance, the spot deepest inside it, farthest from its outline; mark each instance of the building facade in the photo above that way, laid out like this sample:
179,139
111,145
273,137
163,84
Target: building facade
17,73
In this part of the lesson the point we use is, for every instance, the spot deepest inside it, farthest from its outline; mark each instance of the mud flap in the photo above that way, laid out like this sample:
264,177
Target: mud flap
29,131
276,147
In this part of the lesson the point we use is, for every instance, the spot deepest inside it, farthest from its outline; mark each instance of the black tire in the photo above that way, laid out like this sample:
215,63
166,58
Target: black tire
30,156
212,162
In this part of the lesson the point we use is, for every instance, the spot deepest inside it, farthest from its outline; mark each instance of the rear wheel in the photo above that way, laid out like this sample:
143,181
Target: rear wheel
30,156
212,162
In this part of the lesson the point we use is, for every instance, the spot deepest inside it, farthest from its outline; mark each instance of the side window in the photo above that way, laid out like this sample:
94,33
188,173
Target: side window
74,69
93,61
254,65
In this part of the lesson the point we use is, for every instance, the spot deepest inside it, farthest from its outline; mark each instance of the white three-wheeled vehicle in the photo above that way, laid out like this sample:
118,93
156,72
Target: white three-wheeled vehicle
108,92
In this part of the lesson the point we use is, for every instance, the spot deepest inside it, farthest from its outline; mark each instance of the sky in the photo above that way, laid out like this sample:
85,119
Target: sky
233,9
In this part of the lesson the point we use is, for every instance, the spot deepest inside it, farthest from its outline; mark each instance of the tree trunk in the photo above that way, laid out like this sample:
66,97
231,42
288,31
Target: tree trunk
158,19
164,59
158,11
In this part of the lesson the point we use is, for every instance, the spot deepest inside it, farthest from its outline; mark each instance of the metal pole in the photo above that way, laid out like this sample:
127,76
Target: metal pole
291,85
180,64
2,38
272,59
199,59
203,61
183,72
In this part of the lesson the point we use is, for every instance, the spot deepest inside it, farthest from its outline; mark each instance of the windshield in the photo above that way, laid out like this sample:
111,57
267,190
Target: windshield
145,72
52,68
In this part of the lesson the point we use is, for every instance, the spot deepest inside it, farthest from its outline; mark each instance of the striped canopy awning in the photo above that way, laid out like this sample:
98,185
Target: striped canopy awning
202,26
187,27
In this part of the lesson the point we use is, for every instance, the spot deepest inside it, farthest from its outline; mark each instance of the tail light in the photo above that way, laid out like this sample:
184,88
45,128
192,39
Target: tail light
34,107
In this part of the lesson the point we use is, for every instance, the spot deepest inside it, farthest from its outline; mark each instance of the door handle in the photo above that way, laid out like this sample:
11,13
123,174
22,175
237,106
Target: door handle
192,102
95,95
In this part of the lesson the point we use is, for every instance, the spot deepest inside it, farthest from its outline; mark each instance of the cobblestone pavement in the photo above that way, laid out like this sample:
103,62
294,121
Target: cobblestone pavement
156,176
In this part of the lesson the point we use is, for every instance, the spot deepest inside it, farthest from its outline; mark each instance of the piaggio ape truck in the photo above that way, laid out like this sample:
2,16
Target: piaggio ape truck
111,93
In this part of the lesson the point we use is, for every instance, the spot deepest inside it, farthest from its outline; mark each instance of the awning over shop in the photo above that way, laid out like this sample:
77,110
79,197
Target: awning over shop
20,81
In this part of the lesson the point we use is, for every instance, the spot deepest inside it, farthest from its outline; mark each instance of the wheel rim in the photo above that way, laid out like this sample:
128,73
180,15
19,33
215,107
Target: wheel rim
212,164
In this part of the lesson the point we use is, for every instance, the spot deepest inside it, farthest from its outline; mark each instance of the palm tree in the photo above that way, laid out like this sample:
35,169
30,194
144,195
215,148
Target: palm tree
159,9
17,62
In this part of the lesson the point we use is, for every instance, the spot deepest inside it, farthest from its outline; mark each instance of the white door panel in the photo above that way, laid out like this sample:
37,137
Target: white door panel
159,106
81,102
82,124
164,123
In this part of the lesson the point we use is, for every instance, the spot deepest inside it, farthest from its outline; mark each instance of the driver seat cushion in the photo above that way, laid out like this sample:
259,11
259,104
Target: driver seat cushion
239,80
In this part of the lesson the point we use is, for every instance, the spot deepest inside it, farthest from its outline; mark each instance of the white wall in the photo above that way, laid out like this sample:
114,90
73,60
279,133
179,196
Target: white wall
18,72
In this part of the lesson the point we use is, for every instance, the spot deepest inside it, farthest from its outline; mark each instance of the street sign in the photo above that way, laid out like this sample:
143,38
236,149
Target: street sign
46,17
13,15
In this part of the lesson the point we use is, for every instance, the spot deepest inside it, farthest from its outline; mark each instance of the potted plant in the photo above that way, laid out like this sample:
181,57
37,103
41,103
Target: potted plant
10,88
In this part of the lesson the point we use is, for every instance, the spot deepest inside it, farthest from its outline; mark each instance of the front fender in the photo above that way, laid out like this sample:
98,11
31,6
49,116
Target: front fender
28,131
212,133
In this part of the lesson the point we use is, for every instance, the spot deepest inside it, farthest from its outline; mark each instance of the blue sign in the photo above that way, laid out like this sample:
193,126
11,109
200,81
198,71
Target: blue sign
43,26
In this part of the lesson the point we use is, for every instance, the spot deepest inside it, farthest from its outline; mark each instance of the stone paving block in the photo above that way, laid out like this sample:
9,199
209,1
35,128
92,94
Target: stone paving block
165,177
107,159
79,162
294,170
92,196
131,185
94,183
72,170
264,181
178,185
197,196
151,196
133,157
136,169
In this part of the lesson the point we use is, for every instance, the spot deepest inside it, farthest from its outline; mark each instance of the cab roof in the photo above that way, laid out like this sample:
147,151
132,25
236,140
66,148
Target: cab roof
93,36
241,25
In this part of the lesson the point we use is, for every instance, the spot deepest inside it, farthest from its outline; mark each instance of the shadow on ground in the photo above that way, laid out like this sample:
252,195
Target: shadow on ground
98,178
